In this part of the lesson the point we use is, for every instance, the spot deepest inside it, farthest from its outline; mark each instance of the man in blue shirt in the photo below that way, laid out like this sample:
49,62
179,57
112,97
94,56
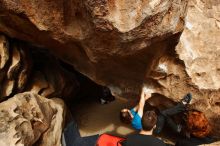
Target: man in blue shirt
134,115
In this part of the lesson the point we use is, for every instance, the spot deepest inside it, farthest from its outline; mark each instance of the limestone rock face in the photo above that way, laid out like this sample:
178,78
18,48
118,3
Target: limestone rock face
15,67
27,119
199,45
114,42
199,49
27,68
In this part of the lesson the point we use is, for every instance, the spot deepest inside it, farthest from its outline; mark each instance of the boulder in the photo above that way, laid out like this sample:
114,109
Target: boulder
199,45
113,42
27,119
4,51
27,68
26,63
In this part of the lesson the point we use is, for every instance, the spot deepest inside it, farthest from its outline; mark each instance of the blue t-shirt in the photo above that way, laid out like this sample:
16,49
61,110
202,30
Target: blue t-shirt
136,121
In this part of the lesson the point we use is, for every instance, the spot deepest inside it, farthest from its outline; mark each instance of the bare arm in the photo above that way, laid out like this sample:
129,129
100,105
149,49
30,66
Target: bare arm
144,97
141,106
136,108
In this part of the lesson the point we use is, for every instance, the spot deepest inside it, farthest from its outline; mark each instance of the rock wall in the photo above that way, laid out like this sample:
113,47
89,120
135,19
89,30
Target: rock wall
28,68
93,34
199,45
199,48
27,119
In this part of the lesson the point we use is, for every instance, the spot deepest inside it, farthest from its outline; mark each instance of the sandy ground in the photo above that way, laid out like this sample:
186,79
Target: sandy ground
95,118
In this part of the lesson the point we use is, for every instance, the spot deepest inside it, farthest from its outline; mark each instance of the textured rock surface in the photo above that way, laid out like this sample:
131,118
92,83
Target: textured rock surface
94,34
199,48
27,68
28,118
15,67
199,45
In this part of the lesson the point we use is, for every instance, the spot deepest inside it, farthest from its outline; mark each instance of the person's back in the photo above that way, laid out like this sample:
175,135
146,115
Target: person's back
142,140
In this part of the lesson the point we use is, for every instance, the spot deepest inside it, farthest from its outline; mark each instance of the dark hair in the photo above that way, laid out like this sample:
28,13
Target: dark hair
149,120
125,117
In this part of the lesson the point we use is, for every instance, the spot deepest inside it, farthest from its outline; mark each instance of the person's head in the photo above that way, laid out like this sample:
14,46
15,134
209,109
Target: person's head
126,116
197,124
149,120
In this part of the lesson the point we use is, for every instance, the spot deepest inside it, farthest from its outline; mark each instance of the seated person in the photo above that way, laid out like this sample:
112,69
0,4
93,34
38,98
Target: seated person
134,115
195,126
165,115
198,129
144,137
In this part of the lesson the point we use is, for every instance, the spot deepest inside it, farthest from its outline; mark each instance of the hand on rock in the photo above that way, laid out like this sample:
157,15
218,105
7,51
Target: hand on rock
146,93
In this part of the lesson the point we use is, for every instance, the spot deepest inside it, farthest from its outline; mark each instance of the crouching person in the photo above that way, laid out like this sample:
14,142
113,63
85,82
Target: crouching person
198,130
145,137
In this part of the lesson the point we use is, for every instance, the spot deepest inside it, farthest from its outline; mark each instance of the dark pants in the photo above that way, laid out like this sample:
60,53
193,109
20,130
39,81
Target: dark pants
72,136
194,141
164,117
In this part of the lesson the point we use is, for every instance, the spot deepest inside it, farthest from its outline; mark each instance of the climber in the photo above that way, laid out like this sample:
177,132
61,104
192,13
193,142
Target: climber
134,115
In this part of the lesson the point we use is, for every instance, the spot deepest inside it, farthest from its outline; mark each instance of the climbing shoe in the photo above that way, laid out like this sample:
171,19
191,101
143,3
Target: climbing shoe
187,98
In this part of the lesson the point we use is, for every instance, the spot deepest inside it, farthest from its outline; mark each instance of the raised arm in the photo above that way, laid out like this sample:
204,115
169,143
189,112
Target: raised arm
144,96
136,107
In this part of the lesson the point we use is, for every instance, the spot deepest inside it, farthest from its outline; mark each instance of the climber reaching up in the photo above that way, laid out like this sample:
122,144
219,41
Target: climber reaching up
135,114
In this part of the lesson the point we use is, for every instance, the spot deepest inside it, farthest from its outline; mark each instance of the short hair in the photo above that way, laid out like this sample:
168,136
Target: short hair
125,117
149,120
197,124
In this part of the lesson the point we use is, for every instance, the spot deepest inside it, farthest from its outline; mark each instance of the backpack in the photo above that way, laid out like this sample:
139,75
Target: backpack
109,140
